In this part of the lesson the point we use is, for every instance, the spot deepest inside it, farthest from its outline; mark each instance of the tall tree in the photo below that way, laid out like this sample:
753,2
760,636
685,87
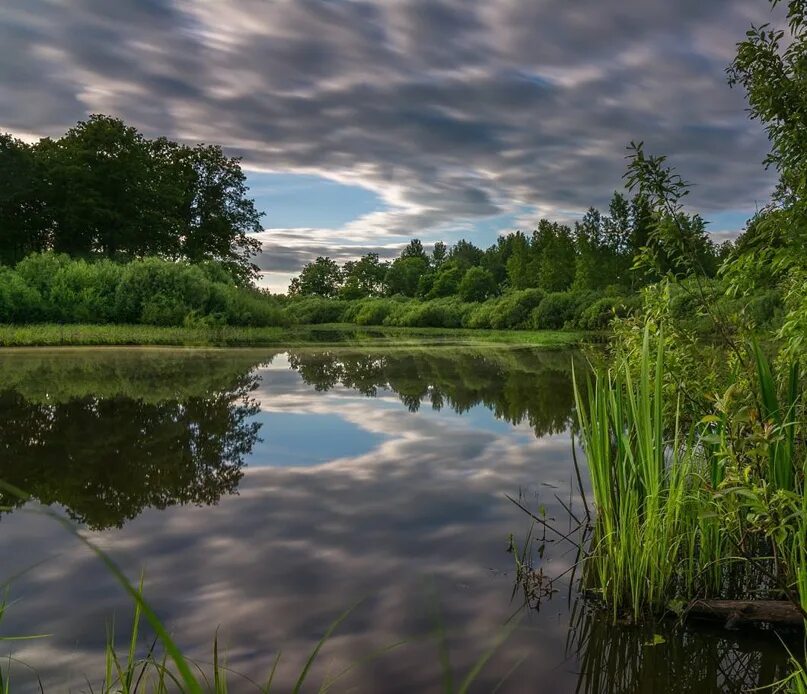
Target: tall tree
319,278
24,227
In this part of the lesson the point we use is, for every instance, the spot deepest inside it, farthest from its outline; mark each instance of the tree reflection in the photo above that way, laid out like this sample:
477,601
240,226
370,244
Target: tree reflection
105,458
621,659
518,385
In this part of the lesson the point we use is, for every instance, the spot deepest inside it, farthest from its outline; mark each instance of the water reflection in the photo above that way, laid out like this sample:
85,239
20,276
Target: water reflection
105,438
517,385
361,474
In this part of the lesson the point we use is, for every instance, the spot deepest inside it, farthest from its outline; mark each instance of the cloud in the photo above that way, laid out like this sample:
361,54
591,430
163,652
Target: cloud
420,515
452,111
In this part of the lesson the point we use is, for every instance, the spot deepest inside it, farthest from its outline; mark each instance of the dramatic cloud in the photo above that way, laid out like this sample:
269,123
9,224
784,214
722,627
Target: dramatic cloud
452,111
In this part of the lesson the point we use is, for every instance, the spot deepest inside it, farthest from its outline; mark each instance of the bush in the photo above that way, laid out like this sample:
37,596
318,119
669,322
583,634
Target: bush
599,314
19,303
83,292
561,310
315,310
158,292
52,287
480,315
513,309
440,313
374,312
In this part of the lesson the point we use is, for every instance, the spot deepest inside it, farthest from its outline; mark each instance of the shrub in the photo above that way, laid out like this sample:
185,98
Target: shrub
479,316
560,309
83,292
599,314
513,309
159,292
315,310
19,302
440,313
374,312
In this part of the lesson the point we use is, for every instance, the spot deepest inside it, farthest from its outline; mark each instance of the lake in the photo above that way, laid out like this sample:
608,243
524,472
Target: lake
264,493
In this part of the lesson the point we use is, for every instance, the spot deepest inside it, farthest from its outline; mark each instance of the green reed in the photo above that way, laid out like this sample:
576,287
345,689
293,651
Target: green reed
653,538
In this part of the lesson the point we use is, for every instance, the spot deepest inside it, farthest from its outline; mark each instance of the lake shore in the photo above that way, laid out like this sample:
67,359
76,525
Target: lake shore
74,335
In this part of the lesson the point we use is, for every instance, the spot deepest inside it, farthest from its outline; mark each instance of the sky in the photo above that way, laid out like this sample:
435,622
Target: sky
363,123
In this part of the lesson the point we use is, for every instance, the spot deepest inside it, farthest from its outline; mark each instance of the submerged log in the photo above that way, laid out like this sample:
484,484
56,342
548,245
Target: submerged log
737,613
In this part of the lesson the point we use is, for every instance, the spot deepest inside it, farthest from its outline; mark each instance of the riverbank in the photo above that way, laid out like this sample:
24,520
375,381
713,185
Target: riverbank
53,335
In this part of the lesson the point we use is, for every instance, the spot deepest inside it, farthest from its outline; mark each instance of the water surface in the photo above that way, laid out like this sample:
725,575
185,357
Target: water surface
265,492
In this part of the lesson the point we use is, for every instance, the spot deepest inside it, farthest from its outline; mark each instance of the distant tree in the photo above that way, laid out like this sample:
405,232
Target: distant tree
439,254
414,249
518,264
404,275
363,277
478,284
464,254
553,253
320,278
446,281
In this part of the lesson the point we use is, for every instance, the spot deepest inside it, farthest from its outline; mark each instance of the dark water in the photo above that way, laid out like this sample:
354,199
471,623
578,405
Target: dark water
264,493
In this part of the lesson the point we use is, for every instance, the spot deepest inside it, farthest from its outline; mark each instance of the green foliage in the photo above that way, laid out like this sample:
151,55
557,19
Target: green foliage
103,189
320,278
152,291
440,313
560,309
599,314
404,275
477,284
513,310
446,281
315,309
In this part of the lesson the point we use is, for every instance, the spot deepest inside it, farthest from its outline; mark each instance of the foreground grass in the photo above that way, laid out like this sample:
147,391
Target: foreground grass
50,335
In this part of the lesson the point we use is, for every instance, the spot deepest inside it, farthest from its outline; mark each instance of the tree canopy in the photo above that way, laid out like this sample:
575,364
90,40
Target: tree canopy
105,190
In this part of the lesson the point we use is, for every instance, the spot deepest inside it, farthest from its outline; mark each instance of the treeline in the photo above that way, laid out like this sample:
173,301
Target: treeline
560,276
103,190
599,253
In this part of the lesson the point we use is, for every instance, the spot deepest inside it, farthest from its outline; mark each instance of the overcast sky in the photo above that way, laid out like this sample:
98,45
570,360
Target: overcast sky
363,123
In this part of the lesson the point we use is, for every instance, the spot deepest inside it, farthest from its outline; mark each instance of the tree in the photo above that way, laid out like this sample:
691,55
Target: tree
23,224
320,278
772,68
478,284
465,254
553,254
446,281
414,249
363,277
438,254
103,189
217,216
404,274
518,270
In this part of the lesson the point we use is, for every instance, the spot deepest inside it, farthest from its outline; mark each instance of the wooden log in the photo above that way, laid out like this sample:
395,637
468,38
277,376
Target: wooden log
736,613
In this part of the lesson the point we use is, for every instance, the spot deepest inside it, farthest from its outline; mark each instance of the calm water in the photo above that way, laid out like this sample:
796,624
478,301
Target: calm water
263,493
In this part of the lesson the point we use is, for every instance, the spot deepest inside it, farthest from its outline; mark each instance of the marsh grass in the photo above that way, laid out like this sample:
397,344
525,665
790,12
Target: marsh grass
54,335
651,538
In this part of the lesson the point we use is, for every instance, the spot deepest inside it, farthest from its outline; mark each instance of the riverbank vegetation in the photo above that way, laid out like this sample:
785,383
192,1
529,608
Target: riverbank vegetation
696,440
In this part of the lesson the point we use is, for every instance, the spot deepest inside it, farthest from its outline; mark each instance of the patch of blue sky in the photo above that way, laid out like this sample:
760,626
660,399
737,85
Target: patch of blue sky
291,439
307,200
728,221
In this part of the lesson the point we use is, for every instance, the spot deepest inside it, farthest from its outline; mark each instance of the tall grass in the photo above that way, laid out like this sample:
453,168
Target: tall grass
653,538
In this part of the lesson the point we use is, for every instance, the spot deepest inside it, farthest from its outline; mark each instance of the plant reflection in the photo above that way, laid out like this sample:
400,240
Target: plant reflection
176,432
518,385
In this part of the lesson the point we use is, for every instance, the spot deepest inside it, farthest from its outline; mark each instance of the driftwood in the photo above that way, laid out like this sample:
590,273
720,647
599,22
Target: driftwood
737,613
